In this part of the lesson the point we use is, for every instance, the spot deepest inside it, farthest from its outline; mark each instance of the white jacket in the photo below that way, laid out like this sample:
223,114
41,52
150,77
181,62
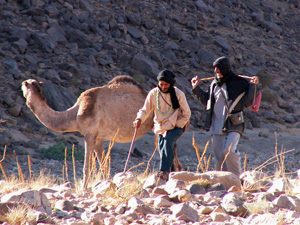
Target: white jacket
165,118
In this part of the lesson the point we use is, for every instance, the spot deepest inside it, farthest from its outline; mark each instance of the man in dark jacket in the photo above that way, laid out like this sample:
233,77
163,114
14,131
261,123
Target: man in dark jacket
225,100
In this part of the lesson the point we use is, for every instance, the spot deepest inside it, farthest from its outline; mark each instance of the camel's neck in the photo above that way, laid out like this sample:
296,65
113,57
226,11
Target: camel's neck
54,120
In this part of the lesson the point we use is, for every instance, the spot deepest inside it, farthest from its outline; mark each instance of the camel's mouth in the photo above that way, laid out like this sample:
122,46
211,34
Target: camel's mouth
25,90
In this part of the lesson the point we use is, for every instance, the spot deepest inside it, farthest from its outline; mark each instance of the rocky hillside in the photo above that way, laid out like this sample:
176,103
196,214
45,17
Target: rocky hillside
74,45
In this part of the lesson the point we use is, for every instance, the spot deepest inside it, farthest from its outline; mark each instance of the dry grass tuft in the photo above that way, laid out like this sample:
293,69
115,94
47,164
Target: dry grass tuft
259,207
116,196
45,179
41,181
206,161
129,189
148,164
22,214
109,197
279,159
1,166
202,182
11,184
74,165
227,154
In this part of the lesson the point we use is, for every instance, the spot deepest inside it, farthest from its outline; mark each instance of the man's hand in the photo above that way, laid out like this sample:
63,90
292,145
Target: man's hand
137,123
195,81
254,80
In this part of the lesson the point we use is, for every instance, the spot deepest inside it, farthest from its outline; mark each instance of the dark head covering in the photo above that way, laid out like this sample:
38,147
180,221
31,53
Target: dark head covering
169,77
223,64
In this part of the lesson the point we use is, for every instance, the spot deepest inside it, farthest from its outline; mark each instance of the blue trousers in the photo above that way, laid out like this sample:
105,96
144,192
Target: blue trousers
165,146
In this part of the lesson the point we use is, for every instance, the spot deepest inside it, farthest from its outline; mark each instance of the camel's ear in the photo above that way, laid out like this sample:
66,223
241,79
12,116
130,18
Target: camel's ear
37,85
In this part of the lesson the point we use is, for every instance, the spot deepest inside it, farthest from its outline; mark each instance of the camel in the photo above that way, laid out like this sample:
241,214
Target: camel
97,114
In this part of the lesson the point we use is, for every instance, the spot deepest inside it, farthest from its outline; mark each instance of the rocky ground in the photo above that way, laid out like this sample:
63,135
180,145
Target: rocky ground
186,198
78,44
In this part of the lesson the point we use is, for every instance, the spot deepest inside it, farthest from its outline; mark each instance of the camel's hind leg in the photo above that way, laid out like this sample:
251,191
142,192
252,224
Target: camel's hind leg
91,145
176,163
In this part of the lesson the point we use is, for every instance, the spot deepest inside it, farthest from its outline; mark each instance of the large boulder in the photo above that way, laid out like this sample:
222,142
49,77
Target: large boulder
226,178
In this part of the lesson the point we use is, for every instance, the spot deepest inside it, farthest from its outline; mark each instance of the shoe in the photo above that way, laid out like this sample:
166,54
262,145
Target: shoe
164,175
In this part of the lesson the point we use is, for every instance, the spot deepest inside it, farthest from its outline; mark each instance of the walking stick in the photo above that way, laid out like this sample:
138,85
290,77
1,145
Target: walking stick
130,150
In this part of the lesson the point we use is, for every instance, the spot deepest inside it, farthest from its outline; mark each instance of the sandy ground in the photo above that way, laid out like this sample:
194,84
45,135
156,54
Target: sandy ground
257,145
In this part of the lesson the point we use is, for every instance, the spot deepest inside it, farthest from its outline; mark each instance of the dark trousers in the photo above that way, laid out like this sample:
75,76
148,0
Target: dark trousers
165,146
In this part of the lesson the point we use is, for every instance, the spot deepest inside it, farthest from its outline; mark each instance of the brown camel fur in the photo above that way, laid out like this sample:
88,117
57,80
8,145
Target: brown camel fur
98,114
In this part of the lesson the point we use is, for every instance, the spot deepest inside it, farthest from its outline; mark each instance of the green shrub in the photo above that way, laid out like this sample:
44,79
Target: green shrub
57,151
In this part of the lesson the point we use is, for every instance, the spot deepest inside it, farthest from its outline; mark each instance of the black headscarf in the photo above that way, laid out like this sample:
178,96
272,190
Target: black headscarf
169,77
223,64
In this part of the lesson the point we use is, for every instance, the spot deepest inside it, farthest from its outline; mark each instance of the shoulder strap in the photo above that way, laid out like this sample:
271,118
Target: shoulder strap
163,98
233,104
225,99
236,102
229,109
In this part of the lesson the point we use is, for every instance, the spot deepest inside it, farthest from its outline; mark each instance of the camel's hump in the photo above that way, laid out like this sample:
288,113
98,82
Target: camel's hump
119,84
125,82
124,79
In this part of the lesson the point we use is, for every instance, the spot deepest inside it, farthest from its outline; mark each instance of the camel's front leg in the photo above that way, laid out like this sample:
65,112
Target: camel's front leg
99,152
91,146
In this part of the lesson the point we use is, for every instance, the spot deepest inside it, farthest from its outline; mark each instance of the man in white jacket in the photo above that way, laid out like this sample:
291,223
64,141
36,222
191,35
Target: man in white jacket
171,115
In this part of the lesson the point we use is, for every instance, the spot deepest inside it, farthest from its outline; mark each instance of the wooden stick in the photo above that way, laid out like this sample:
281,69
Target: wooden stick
208,78
211,78
130,150
246,77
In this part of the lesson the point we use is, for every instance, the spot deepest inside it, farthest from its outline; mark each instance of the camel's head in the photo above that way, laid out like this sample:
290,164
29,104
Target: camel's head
31,86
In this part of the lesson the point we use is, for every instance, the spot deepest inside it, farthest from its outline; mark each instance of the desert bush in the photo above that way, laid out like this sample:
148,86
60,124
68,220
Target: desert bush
265,79
57,151
269,95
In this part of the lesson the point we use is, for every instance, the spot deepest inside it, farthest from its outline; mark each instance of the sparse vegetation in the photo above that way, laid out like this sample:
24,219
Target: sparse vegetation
129,189
44,179
265,79
259,207
202,182
1,121
269,95
57,152
19,215
115,196
203,161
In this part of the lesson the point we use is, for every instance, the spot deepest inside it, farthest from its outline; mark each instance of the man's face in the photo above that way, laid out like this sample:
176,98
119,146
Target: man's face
164,86
218,73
